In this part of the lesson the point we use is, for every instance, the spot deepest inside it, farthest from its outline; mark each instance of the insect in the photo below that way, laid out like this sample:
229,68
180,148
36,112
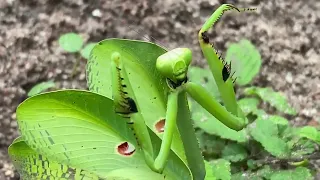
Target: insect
173,66
134,121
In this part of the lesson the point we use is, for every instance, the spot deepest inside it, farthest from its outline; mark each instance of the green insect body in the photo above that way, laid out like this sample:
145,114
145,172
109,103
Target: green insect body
148,86
173,65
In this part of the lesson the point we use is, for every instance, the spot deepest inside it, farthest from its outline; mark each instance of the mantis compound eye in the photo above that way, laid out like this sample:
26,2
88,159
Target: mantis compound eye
174,64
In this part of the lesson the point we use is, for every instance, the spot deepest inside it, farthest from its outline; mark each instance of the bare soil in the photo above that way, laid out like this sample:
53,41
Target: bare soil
285,32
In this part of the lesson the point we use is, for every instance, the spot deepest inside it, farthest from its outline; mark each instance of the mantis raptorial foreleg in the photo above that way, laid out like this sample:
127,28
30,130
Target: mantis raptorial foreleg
218,67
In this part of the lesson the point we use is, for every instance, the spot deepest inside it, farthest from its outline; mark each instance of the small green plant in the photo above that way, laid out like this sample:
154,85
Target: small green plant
254,152
73,43
41,87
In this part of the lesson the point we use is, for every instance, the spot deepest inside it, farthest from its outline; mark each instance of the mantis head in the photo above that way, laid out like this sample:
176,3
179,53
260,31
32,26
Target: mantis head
174,64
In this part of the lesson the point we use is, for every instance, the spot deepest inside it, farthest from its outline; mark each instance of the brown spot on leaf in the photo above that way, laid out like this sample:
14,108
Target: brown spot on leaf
126,149
160,125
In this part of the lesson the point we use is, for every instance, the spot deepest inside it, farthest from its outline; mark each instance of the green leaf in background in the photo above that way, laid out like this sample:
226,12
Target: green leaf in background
275,99
221,169
300,173
251,164
245,61
266,132
234,152
71,42
263,173
85,52
204,77
278,120
80,129
310,133
248,105
209,171
210,144
303,147
41,87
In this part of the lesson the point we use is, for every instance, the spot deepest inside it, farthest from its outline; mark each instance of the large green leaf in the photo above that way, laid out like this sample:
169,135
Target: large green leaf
80,129
148,84
32,165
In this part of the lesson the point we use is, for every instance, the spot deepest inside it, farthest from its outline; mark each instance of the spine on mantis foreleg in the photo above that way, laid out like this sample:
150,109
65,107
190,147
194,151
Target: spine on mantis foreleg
125,105
219,69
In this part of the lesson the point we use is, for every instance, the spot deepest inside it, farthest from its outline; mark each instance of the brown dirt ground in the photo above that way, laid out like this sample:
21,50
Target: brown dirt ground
285,32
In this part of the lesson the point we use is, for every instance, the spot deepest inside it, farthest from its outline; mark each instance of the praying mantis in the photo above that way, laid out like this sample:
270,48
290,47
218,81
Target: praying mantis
173,65
138,101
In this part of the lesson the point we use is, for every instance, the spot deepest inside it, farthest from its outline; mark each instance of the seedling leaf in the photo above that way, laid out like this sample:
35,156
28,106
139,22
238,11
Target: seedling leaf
38,88
71,42
85,52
